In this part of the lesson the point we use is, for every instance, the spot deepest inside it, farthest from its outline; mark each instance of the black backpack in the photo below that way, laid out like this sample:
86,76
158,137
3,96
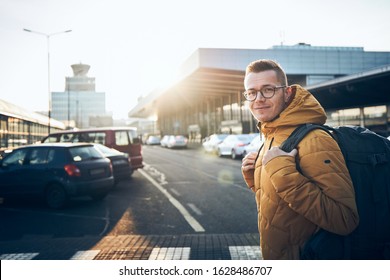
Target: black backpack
367,156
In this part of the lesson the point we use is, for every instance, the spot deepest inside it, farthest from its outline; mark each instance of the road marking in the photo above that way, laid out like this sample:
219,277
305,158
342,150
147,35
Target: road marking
187,216
245,253
107,219
175,192
85,255
195,209
170,253
18,256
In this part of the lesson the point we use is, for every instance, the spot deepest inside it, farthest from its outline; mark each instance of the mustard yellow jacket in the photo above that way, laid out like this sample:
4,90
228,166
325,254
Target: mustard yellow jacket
293,206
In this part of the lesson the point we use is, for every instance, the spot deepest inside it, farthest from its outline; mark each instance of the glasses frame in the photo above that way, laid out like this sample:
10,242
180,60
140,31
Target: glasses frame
257,92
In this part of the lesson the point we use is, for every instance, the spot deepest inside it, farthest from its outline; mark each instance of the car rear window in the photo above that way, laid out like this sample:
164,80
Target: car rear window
108,151
83,153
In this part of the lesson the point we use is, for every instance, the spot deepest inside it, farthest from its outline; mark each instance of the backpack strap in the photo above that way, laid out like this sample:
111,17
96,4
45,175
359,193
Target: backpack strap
299,133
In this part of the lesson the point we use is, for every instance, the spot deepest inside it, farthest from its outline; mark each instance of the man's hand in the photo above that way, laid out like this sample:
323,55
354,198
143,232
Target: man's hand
276,152
248,162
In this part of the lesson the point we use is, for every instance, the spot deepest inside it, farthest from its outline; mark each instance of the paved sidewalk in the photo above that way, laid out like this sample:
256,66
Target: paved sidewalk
135,247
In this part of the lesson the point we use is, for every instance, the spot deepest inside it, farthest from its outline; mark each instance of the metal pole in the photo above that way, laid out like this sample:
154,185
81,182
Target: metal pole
48,65
48,82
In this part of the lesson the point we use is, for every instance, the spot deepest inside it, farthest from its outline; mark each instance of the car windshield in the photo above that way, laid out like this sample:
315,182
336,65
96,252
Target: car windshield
222,136
82,153
245,137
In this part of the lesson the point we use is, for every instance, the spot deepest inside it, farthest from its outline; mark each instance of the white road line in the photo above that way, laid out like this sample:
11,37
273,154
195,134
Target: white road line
170,253
175,192
107,219
195,209
85,255
187,216
245,253
18,256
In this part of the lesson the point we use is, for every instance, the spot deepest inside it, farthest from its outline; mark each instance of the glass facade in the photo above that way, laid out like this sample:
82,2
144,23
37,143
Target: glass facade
78,106
15,132
375,118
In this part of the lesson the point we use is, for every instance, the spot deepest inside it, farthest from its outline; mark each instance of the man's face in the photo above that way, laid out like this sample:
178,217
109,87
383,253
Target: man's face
262,109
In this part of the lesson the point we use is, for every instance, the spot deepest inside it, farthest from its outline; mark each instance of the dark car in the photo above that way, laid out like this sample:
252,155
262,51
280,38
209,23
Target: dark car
55,172
121,165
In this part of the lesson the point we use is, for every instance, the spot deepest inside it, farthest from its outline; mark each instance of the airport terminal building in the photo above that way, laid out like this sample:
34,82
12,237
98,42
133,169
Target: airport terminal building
350,83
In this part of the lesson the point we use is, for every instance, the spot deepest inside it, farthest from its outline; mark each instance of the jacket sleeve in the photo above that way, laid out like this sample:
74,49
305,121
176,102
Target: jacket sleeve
249,179
323,193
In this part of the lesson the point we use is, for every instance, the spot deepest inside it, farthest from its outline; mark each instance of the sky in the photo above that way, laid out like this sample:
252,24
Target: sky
136,46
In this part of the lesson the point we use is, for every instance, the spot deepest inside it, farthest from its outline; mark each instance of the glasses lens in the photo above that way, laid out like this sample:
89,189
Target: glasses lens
250,95
268,92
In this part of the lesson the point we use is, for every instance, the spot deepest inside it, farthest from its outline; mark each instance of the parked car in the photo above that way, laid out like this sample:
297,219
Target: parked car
234,144
123,139
55,172
177,141
210,143
121,164
253,146
164,141
153,140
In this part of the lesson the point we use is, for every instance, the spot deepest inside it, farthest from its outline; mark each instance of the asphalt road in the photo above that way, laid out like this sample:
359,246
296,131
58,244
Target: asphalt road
180,192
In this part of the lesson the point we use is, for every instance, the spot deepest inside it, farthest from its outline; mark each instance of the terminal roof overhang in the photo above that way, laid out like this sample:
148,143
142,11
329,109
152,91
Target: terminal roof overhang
202,83
368,88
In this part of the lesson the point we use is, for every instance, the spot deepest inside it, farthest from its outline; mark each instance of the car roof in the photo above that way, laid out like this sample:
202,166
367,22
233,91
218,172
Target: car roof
60,145
98,129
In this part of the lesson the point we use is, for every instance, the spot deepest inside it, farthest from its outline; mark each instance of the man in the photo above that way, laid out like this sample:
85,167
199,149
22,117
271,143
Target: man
293,205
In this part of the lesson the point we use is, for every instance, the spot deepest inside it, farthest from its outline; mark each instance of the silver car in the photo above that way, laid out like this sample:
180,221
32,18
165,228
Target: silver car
210,144
253,146
234,144
177,141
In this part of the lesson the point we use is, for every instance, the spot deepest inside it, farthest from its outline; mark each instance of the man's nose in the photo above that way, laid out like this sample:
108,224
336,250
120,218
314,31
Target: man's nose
259,97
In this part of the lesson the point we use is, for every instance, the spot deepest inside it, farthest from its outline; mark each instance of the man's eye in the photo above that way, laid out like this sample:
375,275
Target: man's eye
268,90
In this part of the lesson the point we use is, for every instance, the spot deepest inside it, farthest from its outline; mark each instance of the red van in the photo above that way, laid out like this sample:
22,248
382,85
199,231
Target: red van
123,139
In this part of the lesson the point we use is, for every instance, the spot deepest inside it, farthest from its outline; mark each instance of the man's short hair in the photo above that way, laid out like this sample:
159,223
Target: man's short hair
261,65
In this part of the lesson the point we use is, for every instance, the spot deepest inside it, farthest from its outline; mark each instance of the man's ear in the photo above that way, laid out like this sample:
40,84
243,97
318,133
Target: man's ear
289,96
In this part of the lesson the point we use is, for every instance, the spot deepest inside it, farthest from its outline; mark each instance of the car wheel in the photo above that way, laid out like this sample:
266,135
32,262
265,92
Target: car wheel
56,196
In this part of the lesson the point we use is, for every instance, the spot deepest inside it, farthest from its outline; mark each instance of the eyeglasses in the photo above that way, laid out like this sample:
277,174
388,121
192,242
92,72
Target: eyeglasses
267,92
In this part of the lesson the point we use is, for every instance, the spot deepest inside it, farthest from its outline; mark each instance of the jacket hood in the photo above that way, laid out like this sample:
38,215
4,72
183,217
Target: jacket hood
304,108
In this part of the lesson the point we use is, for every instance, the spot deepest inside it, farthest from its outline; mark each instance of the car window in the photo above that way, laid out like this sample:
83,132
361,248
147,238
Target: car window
15,158
38,156
84,153
132,135
97,137
50,156
68,137
107,151
221,137
244,137
230,138
121,138
51,139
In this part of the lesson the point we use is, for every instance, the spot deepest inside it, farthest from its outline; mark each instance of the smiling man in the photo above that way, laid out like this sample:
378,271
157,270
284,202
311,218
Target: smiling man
293,205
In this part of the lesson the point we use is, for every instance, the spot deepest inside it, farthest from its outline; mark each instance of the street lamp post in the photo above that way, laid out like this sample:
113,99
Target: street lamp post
48,63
